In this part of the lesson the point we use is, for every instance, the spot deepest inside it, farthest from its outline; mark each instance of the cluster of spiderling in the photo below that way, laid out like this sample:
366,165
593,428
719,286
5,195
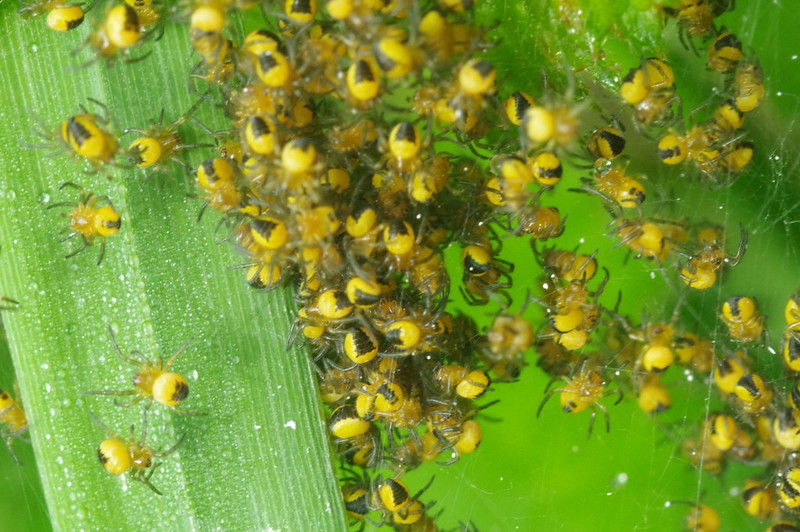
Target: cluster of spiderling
120,30
718,144
717,148
349,201
759,425
325,183
152,382
91,139
356,155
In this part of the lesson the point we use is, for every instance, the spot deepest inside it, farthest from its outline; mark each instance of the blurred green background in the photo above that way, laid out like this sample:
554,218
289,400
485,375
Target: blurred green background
543,474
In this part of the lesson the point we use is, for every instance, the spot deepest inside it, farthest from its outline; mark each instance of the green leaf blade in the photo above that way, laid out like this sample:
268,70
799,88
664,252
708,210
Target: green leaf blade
259,459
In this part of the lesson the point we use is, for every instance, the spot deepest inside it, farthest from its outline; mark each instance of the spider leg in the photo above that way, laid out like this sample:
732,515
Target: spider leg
177,354
186,412
547,397
591,423
162,454
107,392
84,246
119,351
131,403
102,251
605,413
146,479
9,440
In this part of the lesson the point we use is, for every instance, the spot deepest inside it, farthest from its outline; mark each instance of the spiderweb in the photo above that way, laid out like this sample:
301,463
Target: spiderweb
544,473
